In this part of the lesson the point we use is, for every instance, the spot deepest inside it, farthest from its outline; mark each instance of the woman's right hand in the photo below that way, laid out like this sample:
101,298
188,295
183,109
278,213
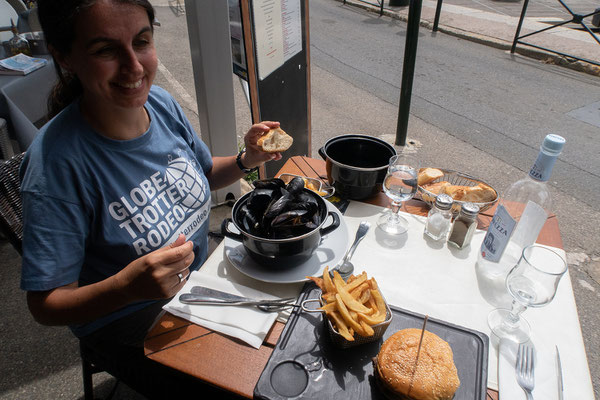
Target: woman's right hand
156,275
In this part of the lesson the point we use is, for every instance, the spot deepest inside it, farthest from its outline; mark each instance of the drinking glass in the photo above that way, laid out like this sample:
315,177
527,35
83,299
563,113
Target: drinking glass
532,283
400,184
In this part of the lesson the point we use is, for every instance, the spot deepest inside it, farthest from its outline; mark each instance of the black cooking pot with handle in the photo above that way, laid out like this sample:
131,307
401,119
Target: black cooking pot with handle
356,164
281,253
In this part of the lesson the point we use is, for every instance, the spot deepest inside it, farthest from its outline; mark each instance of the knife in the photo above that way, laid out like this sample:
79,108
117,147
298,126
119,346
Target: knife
213,295
217,294
559,375
207,296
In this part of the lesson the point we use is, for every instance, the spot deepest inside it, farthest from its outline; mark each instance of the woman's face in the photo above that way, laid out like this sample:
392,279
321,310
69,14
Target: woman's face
113,55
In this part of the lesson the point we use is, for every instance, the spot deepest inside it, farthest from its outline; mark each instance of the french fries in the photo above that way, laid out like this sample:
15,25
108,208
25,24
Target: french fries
353,306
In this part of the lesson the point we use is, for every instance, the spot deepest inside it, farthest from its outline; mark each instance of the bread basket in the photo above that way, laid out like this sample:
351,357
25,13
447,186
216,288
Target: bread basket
460,179
338,340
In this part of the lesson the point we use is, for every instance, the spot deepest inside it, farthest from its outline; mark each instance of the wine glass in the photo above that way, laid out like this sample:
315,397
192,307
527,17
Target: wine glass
400,184
532,283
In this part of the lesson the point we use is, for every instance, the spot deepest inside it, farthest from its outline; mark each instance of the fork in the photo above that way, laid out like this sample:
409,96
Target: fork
524,368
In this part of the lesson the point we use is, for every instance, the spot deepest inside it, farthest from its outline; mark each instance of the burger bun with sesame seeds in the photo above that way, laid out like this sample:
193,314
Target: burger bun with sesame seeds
433,377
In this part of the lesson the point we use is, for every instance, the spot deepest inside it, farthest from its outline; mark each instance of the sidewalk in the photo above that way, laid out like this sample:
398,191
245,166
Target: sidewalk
494,23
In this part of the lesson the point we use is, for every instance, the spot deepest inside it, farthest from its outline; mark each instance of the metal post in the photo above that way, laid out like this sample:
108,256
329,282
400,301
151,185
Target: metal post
514,45
408,69
438,11
210,45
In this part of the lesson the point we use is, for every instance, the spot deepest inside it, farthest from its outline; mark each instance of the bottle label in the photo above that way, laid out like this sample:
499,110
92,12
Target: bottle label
498,234
542,168
530,224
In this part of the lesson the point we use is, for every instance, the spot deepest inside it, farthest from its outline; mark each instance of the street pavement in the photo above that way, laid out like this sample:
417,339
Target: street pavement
494,23
39,362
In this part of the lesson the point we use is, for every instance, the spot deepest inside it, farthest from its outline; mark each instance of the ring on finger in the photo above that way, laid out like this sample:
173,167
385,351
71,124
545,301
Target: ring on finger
180,276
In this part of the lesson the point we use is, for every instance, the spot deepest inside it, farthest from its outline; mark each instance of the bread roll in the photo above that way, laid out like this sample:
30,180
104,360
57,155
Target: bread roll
276,140
456,192
481,193
436,188
435,376
427,175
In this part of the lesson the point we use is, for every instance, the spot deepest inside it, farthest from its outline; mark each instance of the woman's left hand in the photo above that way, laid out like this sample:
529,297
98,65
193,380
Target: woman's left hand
254,156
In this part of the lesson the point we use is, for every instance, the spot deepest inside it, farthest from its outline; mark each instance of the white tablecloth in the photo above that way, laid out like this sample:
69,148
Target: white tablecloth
430,278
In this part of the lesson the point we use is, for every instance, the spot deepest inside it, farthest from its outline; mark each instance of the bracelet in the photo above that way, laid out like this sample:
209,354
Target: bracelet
238,161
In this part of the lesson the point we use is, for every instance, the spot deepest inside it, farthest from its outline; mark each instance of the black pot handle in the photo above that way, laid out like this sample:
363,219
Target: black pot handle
226,232
334,225
322,153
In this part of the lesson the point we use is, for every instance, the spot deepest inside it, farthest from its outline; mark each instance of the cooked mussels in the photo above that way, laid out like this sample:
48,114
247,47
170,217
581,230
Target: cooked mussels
275,210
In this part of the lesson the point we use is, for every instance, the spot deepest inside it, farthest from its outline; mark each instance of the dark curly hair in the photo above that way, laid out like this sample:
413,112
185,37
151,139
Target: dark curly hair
58,19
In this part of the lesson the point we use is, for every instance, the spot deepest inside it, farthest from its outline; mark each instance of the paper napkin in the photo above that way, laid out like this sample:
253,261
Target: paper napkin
248,324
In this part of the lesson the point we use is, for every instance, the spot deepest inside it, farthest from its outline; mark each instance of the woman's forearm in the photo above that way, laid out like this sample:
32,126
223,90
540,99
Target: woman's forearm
224,172
72,304
157,275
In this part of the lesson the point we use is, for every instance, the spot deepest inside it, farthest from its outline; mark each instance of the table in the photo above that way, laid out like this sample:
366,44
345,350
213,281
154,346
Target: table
23,101
236,367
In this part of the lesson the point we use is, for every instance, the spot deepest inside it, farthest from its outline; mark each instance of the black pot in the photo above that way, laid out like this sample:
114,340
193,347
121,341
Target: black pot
281,253
356,164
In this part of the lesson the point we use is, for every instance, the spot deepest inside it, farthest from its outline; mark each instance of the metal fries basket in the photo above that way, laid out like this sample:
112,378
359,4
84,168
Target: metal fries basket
338,340
317,185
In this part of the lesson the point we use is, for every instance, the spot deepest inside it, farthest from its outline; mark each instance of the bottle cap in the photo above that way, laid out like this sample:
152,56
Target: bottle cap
469,209
443,201
553,144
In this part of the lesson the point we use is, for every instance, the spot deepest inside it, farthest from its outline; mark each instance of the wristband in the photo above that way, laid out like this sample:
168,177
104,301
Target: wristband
238,161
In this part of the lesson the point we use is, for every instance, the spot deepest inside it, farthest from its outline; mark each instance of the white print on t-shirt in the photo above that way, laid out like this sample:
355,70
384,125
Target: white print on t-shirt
161,207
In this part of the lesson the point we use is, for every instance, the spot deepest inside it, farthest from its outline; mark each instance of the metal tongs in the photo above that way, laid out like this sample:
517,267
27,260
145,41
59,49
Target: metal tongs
205,296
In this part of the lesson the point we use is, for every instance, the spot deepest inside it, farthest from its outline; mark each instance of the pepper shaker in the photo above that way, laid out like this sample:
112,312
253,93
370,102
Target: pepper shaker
439,217
464,226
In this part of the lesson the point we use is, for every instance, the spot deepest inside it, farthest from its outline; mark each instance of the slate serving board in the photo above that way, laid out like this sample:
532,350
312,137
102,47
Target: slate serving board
306,365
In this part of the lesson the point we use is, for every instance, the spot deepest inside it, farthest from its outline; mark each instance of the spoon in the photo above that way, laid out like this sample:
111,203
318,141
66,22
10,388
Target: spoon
345,268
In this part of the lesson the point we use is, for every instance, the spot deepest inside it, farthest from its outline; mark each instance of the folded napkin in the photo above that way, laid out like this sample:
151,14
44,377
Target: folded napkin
248,324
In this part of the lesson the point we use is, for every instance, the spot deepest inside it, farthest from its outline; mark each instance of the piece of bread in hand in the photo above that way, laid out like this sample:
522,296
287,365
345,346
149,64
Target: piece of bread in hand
274,141
427,175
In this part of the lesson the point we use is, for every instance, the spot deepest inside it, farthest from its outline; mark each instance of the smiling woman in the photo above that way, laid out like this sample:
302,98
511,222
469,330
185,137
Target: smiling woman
116,186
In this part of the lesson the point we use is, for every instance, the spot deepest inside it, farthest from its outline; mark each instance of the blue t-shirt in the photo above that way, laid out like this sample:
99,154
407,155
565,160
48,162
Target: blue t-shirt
92,205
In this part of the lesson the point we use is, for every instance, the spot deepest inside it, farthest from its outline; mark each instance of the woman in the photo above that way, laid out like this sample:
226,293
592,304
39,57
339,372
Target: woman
116,187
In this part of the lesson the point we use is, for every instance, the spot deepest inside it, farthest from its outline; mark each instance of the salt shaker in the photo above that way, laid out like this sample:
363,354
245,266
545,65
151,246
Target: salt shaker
439,217
464,226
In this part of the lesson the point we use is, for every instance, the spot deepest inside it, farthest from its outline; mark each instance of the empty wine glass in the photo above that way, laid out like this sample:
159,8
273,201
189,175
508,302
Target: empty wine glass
400,184
532,283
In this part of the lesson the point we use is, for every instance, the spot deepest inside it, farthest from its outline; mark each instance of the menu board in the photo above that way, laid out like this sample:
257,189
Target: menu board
278,33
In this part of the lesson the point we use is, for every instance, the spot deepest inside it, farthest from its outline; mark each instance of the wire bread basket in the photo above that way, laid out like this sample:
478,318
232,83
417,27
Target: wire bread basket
458,179
338,340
